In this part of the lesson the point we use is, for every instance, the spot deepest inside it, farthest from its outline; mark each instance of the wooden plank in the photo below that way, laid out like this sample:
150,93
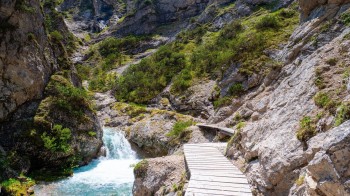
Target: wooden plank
205,183
212,173
220,179
218,192
219,188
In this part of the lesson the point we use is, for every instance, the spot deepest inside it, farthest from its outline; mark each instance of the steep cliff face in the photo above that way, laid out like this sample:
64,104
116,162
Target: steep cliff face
27,59
170,17
284,114
46,121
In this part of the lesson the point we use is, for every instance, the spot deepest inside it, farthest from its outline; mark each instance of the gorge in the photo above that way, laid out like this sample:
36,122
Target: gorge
85,78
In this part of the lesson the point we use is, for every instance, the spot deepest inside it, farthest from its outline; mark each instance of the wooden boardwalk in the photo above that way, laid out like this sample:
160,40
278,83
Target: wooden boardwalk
224,130
211,173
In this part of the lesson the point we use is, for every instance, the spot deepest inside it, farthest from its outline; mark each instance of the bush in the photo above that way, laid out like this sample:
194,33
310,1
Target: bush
322,99
332,61
343,114
307,129
287,13
57,139
231,30
66,96
179,127
345,18
56,35
236,89
145,80
16,187
181,82
222,101
267,22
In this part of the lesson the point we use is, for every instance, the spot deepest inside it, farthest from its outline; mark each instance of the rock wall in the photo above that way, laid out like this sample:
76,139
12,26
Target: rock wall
26,57
35,44
275,159
322,8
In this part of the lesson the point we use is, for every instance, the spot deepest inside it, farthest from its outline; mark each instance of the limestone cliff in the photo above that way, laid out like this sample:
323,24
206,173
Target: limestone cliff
35,44
274,158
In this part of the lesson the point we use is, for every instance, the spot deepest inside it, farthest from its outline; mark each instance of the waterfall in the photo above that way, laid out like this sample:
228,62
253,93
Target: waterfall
110,175
117,146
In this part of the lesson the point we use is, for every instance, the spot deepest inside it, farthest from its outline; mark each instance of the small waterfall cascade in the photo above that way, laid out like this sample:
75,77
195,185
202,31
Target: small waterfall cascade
110,175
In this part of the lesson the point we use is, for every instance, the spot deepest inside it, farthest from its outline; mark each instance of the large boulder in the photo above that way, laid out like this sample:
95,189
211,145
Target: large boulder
160,176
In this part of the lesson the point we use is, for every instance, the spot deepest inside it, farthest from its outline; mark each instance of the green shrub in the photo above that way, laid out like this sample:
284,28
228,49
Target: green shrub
66,96
307,129
236,89
179,127
131,109
143,81
343,114
332,61
24,6
140,168
16,187
287,13
56,35
195,34
181,82
322,99
319,81
345,18
231,30
240,125
57,139
267,22
222,101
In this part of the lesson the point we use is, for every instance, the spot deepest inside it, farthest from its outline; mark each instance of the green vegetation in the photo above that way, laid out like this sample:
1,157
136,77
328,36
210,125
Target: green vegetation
179,127
92,134
236,89
222,101
345,18
17,187
57,139
108,55
319,81
268,22
322,100
300,180
144,81
199,54
332,61
240,125
343,114
140,168
68,97
56,35
24,6
236,138
307,129
132,110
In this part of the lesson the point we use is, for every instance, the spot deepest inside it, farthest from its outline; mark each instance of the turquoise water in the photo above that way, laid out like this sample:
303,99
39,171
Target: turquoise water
110,175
